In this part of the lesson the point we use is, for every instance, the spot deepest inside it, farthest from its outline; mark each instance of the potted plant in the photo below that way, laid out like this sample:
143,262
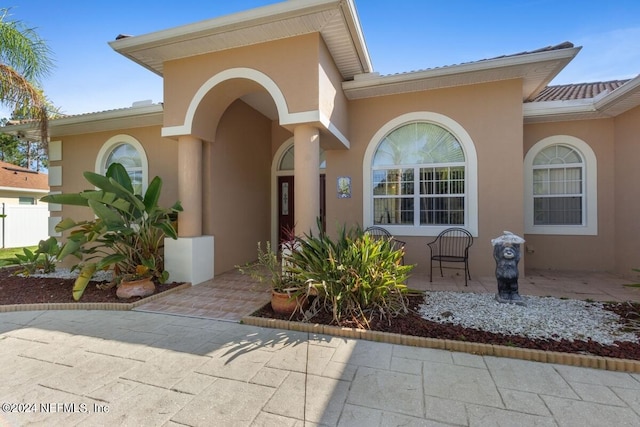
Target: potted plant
138,284
269,269
127,233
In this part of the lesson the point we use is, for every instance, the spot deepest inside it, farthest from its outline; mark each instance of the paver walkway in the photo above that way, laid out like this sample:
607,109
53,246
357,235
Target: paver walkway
68,368
231,295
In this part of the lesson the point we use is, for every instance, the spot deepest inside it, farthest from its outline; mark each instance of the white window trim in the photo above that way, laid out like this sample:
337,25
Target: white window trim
590,191
116,140
471,174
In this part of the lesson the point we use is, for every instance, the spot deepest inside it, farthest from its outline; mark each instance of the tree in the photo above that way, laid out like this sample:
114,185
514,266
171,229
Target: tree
25,58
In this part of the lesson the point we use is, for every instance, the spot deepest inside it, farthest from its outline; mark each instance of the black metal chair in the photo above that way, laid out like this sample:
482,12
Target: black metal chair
451,245
382,233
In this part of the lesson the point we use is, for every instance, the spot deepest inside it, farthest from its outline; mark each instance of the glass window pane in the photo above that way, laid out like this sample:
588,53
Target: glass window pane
433,167
557,210
418,143
126,155
396,210
557,155
286,162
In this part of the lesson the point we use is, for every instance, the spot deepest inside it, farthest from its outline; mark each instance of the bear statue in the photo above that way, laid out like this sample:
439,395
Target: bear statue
506,252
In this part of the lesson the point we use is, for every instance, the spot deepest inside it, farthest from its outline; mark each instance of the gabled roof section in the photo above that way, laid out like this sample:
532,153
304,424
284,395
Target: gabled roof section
19,178
583,101
536,68
336,20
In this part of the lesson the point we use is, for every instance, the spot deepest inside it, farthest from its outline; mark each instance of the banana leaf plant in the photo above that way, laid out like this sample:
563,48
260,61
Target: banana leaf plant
128,230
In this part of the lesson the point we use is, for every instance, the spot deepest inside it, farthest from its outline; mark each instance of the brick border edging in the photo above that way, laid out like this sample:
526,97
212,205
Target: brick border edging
113,306
571,359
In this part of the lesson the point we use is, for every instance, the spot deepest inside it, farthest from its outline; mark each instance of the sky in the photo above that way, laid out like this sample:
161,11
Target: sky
401,36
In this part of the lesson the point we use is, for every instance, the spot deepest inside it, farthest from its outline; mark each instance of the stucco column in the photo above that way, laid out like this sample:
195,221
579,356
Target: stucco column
190,258
190,186
307,178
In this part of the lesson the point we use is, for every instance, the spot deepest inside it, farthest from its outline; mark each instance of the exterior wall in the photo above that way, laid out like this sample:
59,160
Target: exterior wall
291,63
13,197
626,201
491,114
236,186
80,152
333,102
568,252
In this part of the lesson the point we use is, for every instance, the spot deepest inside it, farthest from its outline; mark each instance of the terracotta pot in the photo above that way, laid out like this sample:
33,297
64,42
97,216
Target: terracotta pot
136,288
281,303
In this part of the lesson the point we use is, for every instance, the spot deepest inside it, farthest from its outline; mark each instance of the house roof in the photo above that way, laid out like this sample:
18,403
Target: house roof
336,20
536,68
583,101
577,91
14,177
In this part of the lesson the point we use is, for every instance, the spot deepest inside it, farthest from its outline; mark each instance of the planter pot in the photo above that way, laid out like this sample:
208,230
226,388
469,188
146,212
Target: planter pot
281,303
136,288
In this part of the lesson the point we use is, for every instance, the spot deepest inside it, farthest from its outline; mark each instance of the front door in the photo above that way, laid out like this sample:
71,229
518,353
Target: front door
286,206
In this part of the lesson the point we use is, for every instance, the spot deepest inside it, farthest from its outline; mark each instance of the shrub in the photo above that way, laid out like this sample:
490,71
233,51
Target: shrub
127,233
43,259
355,277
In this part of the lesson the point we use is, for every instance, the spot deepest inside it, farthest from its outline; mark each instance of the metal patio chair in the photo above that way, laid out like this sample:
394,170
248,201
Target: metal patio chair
451,246
382,233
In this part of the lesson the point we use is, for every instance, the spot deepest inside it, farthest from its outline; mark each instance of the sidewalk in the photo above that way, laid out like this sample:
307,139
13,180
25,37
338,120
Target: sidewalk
149,369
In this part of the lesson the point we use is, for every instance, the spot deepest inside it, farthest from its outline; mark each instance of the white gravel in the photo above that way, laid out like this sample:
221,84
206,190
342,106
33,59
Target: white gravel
66,273
543,317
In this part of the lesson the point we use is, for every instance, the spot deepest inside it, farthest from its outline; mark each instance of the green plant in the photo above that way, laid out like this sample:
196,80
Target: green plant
271,270
43,258
355,277
128,231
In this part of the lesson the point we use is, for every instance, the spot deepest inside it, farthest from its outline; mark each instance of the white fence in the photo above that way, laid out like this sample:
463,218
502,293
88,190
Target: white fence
24,225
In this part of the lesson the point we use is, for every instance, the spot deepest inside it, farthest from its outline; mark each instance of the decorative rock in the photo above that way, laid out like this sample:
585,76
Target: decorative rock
136,288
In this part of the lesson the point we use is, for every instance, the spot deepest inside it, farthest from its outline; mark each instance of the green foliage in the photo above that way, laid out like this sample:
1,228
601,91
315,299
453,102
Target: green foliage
129,230
24,59
355,277
42,259
269,269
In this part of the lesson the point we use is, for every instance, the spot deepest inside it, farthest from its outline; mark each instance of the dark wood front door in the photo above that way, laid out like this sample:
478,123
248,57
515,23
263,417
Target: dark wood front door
286,205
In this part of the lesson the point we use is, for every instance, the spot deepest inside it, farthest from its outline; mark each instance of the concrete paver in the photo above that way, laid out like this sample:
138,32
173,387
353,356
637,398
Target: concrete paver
72,368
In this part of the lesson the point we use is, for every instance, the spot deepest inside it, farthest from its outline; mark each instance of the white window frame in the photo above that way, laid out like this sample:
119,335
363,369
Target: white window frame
589,226
471,174
111,144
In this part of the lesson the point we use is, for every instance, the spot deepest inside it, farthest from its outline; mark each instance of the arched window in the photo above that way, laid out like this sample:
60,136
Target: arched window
421,177
560,192
287,159
127,151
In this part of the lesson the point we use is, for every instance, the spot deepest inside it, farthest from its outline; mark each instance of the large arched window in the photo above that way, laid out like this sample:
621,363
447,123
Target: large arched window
560,187
421,176
127,151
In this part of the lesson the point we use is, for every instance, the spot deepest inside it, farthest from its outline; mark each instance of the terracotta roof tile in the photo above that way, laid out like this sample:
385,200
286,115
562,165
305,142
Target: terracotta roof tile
18,177
577,91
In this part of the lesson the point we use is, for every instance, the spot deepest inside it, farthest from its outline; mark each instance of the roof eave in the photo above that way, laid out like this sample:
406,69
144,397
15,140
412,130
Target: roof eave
125,118
529,67
153,49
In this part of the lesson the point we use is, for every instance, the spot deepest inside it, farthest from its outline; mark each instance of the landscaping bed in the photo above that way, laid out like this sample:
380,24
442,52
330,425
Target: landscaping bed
414,325
16,289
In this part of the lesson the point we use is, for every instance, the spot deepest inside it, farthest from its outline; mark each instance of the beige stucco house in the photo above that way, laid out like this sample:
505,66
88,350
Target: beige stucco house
274,116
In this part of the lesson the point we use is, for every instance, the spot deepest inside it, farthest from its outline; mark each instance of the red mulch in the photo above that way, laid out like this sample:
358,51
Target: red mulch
37,290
